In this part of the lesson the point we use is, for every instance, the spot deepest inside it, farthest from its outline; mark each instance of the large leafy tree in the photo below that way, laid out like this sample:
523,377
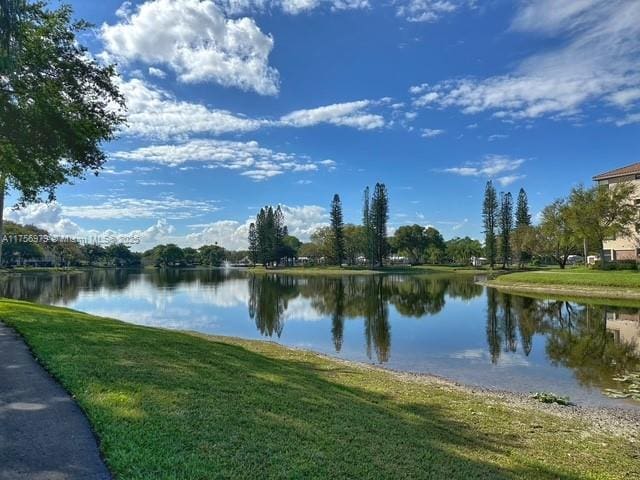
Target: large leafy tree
57,104
460,250
355,242
410,240
322,239
556,236
17,252
337,229
602,212
211,255
436,246
119,255
490,220
290,246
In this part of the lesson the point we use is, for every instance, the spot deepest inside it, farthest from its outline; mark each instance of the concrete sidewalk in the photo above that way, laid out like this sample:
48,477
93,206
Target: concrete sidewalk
43,433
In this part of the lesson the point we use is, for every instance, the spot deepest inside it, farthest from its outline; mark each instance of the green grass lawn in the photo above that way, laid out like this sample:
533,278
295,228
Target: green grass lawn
574,277
172,405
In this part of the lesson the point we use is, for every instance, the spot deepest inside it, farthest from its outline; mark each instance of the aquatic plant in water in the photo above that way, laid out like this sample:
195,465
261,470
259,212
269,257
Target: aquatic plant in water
548,397
630,388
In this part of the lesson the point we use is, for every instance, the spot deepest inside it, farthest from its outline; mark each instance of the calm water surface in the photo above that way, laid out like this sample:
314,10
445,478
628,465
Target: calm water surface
441,324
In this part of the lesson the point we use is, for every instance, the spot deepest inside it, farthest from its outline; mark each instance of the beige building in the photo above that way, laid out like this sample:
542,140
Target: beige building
625,327
627,248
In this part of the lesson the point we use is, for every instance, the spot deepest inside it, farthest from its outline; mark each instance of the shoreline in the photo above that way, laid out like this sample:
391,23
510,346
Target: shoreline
575,291
622,420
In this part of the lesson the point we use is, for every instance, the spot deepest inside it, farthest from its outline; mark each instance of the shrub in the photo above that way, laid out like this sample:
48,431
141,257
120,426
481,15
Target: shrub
616,265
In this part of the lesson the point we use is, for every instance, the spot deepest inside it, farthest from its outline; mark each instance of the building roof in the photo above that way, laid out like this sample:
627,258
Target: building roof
620,172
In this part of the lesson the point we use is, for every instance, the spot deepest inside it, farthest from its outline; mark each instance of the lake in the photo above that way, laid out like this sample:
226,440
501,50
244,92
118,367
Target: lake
444,324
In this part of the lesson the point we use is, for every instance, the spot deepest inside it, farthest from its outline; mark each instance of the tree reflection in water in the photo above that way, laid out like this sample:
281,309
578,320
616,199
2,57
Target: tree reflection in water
575,335
269,297
352,297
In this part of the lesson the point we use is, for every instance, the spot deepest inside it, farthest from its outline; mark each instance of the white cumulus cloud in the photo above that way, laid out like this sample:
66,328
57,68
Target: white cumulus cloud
594,57
499,167
428,10
153,112
230,234
196,40
351,114
431,132
248,158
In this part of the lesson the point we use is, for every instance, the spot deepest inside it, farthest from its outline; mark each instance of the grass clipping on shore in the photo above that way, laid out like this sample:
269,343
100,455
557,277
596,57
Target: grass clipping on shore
168,404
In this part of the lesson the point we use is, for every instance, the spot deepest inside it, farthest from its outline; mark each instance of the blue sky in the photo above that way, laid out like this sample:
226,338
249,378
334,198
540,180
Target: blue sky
234,104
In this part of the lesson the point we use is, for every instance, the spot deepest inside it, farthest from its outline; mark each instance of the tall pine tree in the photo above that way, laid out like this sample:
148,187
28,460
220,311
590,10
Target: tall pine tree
337,228
279,232
378,218
506,226
522,233
366,223
253,243
523,217
490,218
266,238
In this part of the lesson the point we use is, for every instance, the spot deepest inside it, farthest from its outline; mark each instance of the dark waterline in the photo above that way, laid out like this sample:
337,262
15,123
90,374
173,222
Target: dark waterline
441,324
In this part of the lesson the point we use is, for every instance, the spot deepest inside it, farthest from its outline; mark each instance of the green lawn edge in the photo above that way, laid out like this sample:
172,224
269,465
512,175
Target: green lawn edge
178,405
577,283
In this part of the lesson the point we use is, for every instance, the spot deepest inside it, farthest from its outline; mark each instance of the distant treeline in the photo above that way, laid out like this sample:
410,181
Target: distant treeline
367,244
26,245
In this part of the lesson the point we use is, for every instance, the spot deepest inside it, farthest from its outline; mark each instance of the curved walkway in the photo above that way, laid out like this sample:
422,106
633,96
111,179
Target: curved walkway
43,433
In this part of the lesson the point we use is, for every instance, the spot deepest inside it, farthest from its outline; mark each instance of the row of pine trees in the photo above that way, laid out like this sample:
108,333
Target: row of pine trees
498,220
375,215
268,234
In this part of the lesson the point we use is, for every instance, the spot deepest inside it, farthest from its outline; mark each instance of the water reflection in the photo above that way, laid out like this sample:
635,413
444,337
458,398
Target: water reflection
442,324
268,301
578,336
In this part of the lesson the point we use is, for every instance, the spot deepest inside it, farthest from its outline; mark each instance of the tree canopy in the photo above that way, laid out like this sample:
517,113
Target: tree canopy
57,104
602,212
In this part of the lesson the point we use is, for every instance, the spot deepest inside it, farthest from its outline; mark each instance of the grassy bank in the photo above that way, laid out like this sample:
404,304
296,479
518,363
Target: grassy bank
389,270
20,270
577,282
178,405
